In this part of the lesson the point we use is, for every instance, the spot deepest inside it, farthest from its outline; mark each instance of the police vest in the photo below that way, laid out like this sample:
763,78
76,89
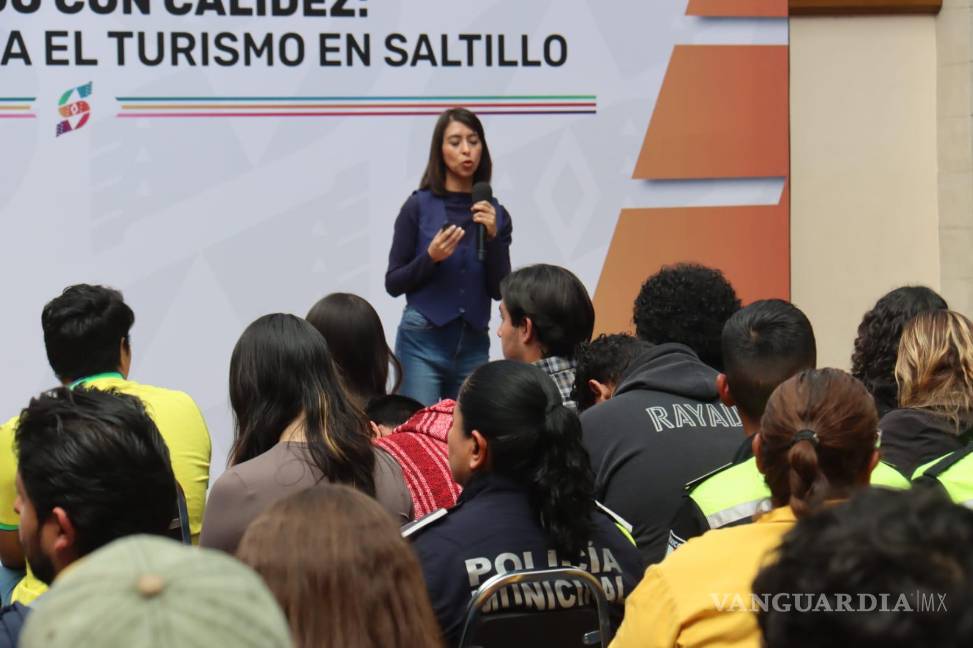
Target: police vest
734,493
954,472
739,492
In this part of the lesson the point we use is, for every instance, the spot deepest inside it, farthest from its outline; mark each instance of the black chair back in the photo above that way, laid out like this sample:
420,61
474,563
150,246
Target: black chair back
179,527
575,627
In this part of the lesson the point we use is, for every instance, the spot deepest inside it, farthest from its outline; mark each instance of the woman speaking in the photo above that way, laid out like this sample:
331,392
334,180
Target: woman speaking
443,335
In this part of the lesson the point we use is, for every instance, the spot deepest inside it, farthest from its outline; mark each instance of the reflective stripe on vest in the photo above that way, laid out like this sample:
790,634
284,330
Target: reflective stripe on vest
732,494
620,523
738,512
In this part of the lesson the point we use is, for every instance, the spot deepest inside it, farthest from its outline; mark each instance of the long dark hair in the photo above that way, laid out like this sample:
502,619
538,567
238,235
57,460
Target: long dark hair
434,177
536,441
877,344
355,336
341,571
802,470
281,369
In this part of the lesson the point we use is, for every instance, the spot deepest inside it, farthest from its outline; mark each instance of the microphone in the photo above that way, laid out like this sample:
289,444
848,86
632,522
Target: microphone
481,191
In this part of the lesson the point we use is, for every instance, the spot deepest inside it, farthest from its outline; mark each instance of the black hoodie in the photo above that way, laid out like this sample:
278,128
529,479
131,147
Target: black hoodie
663,427
912,437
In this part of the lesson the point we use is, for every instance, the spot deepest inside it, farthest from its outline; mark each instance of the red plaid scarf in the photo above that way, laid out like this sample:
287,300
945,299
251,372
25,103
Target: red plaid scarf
419,445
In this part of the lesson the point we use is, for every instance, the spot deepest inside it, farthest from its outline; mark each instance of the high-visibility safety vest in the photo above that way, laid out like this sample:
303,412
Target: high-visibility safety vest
888,476
954,472
739,492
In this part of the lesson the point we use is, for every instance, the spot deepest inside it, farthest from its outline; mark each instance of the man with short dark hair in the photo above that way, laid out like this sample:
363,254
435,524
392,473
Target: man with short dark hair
600,363
92,468
86,334
387,412
664,423
545,313
763,345
887,568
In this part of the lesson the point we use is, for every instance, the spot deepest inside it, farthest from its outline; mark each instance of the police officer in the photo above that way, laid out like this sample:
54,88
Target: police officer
763,345
528,503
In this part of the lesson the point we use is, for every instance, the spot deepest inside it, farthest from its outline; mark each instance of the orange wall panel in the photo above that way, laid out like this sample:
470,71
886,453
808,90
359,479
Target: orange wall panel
738,8
750,244
721,113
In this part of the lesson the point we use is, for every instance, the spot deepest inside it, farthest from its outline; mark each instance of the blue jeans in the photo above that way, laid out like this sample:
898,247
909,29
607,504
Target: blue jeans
437,359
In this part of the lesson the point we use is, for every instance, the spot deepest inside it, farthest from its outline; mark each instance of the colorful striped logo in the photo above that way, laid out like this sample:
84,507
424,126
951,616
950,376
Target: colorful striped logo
227,107
16,108
79,110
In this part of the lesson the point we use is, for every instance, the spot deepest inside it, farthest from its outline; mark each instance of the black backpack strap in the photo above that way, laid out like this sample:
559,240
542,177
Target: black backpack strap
947,462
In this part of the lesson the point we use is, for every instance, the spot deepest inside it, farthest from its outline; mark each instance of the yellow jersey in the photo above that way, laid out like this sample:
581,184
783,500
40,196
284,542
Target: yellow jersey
183,429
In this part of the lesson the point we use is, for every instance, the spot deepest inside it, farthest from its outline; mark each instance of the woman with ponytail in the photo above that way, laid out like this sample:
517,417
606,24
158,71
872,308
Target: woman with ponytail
816,445
528,502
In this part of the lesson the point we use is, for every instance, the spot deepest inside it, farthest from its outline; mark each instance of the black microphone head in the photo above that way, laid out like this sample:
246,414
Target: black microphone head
482,191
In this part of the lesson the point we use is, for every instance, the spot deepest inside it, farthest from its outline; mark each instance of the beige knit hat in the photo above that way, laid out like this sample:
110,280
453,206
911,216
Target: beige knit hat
151,592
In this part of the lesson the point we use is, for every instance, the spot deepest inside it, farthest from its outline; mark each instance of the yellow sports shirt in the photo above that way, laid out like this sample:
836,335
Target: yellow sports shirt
182,427
700,594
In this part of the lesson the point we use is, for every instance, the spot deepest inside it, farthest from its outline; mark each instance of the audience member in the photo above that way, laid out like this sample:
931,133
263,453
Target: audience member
92,468
419,446
545,313
901,561
664,424
357,344
295,426
763,345
528,499
934,371
145,592
877,344
686,303
341,572
389,411
86,332
600,365
816,443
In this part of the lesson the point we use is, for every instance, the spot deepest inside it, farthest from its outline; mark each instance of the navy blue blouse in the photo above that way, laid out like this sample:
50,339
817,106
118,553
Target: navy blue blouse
459,286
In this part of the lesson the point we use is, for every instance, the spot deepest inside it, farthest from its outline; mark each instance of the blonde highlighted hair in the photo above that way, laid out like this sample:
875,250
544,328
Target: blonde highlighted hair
934,369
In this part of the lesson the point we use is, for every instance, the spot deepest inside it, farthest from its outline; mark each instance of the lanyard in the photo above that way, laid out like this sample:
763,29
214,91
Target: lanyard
107,374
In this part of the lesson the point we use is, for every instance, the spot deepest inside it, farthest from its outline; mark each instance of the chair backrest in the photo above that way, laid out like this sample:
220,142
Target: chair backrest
179,527
571,627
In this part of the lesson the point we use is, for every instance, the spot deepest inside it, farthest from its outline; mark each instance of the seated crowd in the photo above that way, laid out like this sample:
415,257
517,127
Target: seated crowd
712,485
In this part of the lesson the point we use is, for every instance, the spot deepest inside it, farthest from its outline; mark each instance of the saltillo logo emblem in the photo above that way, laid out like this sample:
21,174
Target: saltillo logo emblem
76,113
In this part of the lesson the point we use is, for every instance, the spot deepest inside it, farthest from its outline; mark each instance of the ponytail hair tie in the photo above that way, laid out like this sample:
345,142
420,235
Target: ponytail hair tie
806,435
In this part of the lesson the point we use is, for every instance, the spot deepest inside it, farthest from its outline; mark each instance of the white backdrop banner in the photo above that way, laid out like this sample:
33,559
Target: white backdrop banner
217,160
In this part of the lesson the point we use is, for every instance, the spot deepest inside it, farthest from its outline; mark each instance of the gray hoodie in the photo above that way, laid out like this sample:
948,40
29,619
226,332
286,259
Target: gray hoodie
663,427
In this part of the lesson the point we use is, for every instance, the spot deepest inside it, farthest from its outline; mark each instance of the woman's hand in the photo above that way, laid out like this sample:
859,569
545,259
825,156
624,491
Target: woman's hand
486,215
444,243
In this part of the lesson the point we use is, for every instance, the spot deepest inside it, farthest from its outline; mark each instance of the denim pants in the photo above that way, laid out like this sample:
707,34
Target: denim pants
437,359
